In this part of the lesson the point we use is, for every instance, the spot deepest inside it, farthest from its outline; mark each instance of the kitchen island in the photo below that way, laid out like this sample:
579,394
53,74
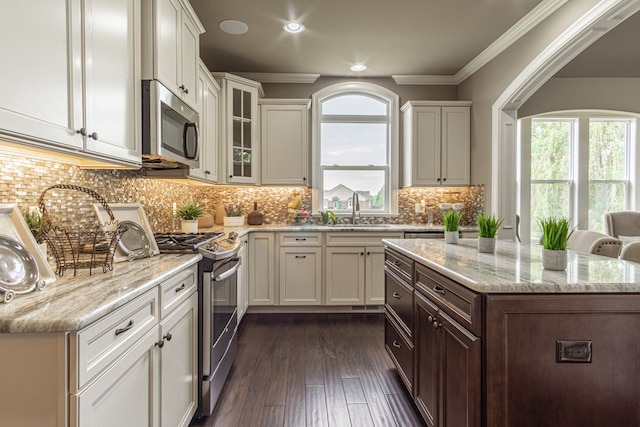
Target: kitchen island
496,340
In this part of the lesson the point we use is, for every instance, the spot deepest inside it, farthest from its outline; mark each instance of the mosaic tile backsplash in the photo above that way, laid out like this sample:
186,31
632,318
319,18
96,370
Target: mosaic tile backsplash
23,180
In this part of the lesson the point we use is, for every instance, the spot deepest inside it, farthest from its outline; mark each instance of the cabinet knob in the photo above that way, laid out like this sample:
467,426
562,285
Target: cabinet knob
438,179
93,135
82,131
444,179
361,253
182,88
207,172
304,178
397,263
430,319
396,344
167,337
230,176
436,324
396,295
159,344
368,253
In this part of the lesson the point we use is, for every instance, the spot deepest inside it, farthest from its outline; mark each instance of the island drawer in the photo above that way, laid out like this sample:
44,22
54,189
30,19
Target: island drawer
300,239
400,350
464,305
399,302
399,264
104,341
177,289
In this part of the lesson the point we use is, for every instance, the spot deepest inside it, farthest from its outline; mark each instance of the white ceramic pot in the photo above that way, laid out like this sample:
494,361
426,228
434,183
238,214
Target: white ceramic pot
486,245
189,225
233,221
451,237
554,260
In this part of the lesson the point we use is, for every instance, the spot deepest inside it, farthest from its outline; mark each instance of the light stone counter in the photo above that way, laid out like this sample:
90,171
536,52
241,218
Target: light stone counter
517,268
71,303
335,228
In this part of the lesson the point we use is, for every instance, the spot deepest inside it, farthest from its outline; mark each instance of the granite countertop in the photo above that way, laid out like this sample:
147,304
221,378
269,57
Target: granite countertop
335,228
71,303
517,268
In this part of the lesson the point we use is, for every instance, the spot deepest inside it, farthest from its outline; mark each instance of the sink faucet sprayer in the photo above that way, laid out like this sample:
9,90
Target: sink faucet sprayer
355,205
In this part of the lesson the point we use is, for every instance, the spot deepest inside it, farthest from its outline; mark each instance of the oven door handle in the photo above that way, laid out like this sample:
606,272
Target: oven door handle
228,273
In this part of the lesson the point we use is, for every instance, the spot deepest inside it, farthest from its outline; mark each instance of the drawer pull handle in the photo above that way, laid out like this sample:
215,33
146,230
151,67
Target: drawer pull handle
167,337
181,288
301,256
160,344
396,295
439,290
396,344
435,324
125,329
301,239
397,263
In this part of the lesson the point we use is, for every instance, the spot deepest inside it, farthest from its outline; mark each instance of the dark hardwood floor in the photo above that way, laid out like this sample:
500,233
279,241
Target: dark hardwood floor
313,370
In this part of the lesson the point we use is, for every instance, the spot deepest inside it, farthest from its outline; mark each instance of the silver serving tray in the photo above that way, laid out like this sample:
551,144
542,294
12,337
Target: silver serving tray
135,241
18,269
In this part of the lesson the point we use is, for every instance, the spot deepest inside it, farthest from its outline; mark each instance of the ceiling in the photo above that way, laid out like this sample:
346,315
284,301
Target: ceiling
406,37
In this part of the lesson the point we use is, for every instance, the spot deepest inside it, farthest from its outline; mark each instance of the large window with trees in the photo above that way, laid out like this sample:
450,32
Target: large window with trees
355,148
580,166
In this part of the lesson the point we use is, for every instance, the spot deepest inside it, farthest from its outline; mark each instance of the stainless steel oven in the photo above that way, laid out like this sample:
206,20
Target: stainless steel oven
219,327
218,317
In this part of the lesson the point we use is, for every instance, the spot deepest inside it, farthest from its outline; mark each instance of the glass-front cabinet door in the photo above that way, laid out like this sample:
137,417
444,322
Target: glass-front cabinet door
242,144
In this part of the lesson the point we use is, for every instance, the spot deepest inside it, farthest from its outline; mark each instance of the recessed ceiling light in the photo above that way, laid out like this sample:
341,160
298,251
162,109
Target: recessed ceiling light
293,27
231,26
358,67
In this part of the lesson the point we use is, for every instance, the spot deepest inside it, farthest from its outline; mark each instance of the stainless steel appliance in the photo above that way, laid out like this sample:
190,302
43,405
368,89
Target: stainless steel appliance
169,129
217,306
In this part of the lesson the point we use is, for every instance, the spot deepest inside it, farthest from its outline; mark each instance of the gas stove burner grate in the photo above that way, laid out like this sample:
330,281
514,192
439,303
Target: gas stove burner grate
183,242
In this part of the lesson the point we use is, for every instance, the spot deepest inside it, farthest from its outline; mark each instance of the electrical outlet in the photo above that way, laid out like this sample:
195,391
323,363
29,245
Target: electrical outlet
175,208
573,351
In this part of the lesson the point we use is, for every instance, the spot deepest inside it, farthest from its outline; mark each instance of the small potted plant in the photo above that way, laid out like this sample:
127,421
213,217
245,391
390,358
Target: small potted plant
555,235
326,216
233,216
35,222
189,213
451,221
488,226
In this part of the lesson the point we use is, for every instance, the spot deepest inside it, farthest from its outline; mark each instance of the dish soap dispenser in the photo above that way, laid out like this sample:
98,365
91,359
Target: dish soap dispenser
255,217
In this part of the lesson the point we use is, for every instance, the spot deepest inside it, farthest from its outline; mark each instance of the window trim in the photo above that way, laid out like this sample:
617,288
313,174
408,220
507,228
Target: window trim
393,136
579,189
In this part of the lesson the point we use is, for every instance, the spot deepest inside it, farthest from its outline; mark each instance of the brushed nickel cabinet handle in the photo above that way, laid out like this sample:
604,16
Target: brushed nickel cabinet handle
125,329
181,288
396,344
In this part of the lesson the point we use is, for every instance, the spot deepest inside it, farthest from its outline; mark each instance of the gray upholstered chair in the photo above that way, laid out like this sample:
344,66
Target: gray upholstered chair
592,242
622,223
631,252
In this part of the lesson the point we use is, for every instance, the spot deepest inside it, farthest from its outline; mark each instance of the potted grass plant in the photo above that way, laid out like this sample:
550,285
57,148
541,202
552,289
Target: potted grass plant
555,235
35,221
488,226
451,221
234,217
188,214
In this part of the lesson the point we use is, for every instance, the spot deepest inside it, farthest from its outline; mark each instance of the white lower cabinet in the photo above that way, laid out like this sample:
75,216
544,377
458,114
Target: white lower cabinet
149,381
126,395
354,268
261,269
300,276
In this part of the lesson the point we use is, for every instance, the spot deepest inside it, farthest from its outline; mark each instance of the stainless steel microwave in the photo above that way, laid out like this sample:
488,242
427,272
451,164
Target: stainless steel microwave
169,128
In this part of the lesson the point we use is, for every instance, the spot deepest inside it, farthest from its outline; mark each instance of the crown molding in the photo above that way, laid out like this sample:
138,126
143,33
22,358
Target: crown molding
281,77
409,79
513,34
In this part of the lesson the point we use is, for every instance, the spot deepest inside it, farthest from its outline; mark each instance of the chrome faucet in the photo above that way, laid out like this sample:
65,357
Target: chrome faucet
355,205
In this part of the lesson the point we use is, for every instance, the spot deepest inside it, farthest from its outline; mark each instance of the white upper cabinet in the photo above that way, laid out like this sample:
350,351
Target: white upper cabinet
208,100
52,46
436,143
171,46
239,137
284,141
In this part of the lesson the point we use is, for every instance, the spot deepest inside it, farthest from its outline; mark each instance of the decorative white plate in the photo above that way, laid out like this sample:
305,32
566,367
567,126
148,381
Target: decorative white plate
13,225
133,212
134,241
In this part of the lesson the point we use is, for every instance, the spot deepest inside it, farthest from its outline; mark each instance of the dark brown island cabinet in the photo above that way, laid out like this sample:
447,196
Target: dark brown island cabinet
483,359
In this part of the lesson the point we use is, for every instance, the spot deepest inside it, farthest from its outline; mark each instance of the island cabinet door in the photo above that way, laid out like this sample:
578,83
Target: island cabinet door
427,360
563,360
